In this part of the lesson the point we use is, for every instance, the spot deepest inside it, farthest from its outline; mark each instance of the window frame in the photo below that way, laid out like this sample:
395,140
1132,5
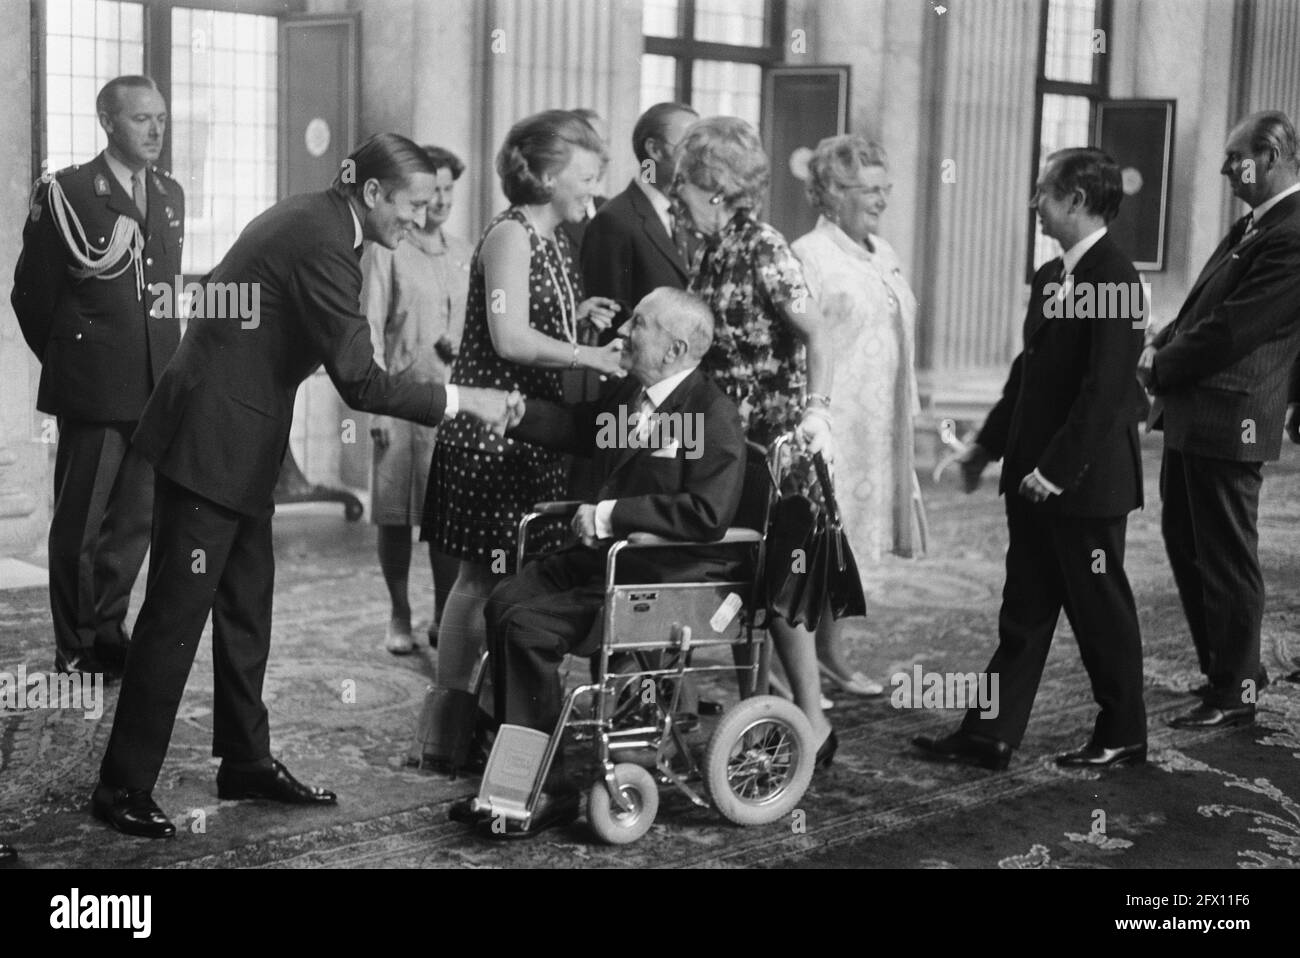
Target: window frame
685,49
1095,92
157,55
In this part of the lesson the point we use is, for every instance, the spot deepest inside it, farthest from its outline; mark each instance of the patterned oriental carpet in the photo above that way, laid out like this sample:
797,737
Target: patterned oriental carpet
343,712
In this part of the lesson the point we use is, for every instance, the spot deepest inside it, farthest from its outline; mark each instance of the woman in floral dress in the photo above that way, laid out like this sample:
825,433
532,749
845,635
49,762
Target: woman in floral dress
766,320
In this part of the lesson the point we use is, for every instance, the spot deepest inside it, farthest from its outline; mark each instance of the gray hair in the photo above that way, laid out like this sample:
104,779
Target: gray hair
724,154
838,160
687,317
1273,130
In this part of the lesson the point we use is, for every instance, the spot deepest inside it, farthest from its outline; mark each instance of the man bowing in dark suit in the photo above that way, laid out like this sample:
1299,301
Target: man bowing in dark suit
1066,432
1219,373
216,431
101,252
676,471
629,248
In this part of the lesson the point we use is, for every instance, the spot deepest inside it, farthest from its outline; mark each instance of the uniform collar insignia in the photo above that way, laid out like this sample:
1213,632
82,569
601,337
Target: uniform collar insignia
101,184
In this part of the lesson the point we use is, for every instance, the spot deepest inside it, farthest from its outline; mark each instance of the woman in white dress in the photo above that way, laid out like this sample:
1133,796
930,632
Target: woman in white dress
414,297
870,315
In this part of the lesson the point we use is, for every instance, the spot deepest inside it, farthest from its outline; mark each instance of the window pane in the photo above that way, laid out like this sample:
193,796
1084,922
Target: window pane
1069,40
1065,124
740,22
724,88
223,125
659,18
658,80
79,59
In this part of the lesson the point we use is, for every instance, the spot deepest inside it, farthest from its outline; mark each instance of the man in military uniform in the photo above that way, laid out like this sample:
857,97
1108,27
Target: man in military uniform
101,249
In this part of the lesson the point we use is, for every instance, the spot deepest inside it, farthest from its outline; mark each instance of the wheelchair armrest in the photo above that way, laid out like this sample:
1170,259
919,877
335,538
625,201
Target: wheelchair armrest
566,508
733,536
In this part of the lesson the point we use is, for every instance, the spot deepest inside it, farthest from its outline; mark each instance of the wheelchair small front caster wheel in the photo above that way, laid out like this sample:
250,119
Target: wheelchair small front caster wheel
613,824
759,761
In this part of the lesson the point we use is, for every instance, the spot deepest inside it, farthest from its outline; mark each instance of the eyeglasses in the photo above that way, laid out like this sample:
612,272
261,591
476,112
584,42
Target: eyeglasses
880,192
679,181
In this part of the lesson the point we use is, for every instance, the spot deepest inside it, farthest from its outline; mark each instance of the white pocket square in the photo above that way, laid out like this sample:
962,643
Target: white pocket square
667,452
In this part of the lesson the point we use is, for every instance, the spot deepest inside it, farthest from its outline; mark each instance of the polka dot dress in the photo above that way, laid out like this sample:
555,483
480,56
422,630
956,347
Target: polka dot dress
481,484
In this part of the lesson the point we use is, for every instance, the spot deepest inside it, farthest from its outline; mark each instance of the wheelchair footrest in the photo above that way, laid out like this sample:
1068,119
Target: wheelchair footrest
513,768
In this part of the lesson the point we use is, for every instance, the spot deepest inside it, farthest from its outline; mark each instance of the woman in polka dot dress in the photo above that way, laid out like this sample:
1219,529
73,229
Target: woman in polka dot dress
522,320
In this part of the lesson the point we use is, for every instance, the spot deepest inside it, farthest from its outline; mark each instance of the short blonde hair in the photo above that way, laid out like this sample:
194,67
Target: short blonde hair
724,154
839,159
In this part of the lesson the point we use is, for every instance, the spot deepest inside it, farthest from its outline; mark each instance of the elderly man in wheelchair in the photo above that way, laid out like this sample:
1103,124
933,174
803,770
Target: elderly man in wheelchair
657,572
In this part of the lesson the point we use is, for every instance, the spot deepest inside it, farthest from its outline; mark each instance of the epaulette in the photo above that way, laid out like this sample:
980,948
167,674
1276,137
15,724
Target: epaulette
161,172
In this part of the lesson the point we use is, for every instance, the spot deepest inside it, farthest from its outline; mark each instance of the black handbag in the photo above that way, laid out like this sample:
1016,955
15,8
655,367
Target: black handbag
809,565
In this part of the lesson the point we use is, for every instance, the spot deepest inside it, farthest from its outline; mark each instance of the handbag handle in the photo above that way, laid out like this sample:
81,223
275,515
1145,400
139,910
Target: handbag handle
834,527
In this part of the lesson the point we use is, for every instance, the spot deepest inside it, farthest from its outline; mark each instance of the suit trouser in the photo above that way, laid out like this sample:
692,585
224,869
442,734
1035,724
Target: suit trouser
1056,562
99,533
205,558
534,619
1209,522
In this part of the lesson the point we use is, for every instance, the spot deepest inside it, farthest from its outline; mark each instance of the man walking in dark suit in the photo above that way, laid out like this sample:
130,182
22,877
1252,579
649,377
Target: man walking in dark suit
1219,373
629,248
1066,432
216,431
101,248
679,485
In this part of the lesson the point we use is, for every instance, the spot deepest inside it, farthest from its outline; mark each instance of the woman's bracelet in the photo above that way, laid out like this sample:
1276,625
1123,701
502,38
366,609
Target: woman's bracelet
574,364
818,399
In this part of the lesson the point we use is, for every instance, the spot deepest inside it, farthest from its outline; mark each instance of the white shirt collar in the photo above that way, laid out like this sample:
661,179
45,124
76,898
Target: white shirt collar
1076,252
121,172
1268,204
356,222
661,390
661,203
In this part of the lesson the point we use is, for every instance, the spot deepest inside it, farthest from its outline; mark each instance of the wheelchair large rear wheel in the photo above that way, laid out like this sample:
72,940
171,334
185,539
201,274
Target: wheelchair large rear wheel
610,822
759,761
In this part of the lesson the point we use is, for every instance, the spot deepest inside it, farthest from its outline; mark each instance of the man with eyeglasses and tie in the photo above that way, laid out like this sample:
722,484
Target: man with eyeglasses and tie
1219,373
101,250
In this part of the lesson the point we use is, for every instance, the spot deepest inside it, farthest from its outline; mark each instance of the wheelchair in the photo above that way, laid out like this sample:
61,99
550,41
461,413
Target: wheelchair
759,758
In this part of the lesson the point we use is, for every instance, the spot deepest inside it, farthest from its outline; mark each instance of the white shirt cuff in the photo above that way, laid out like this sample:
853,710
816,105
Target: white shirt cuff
453,402
604,514
1052,487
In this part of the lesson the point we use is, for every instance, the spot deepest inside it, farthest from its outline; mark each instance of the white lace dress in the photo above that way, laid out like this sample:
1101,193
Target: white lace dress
870,313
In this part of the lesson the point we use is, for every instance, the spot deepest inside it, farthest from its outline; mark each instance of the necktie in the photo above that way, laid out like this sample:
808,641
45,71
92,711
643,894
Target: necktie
137,193
1240,229
644,414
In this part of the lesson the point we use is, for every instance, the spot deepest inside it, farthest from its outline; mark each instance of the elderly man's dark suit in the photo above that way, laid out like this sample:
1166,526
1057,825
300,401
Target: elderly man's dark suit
549,609
627,253
1070,409
216,430
1220,376
102,349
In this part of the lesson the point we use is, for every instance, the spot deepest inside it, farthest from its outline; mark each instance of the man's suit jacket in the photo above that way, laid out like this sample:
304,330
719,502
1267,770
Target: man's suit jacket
669,495
101,348
626,251
1070,405
218,423
1224,362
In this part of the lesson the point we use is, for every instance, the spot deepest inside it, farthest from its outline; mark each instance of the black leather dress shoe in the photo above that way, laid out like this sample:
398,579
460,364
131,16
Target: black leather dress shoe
1208,716
709,707
967,748
1095,756
274,784
131,811
7,853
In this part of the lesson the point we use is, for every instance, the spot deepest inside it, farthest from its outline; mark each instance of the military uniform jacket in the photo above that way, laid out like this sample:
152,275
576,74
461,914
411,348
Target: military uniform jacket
101,351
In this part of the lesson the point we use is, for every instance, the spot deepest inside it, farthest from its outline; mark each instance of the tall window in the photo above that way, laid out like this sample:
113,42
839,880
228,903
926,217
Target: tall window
87,43
710,53
1072,78
217,67
224,125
